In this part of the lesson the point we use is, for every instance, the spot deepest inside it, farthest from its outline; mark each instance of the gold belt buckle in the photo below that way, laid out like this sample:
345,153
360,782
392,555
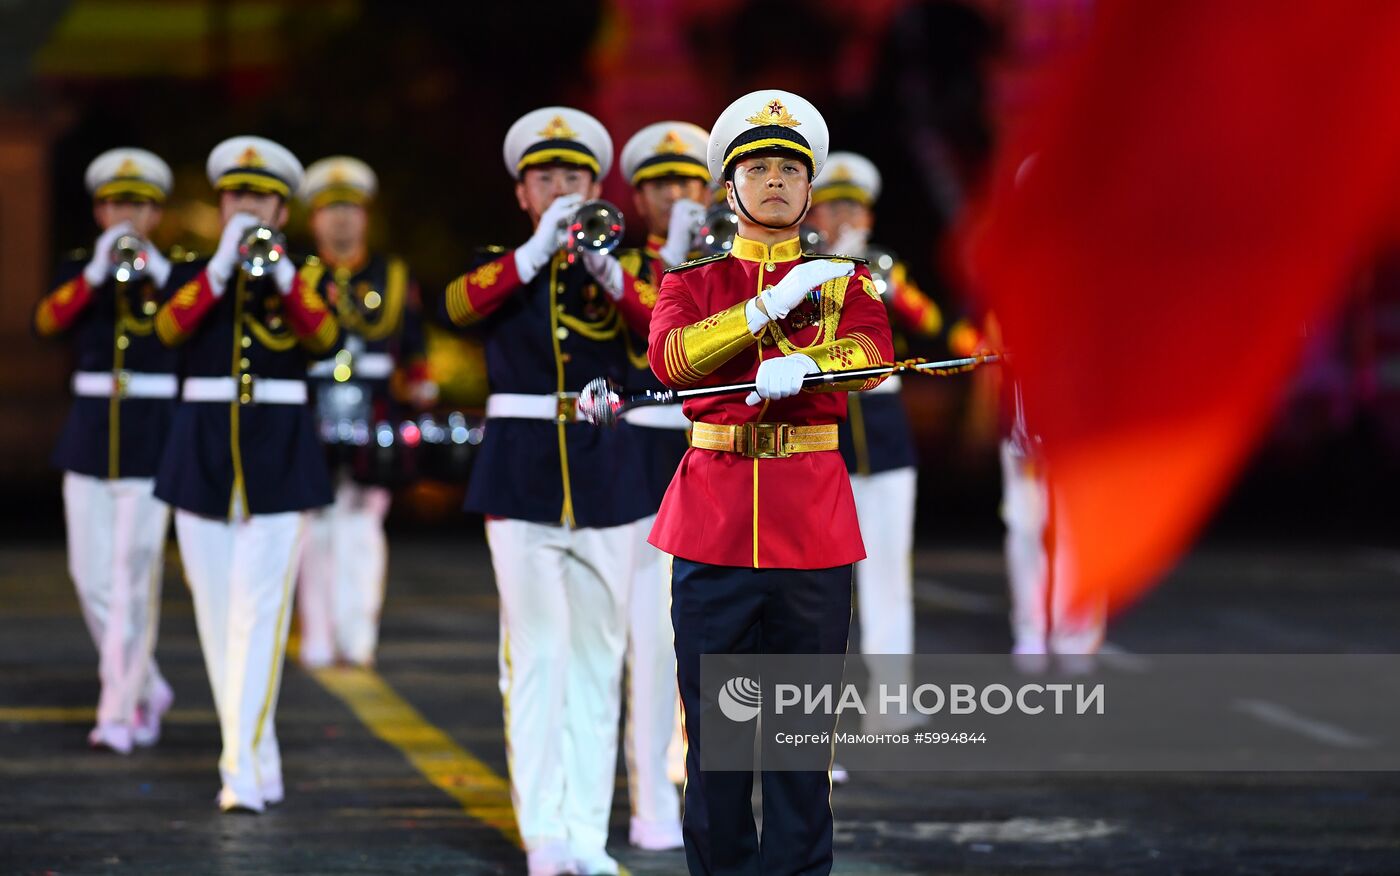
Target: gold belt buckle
766,440
245,389
120,383
567,410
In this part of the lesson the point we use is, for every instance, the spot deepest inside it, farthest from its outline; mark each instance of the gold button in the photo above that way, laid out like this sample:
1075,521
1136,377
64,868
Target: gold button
246,342
244,363
559,289
246,379
123,342
372,299
560,308
149,307
770,267
561,333
245,398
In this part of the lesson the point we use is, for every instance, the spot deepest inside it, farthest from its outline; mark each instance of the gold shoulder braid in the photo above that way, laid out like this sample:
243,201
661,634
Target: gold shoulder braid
379,319
127,320
833,298
276,334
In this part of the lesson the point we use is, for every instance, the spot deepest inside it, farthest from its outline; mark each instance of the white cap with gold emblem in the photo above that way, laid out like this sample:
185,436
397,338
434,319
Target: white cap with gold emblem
129,173
847,177
339,179
254,164
767,120
558,135
666,149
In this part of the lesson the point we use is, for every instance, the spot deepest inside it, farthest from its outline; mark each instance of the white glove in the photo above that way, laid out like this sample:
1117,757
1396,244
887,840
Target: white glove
535,253
851,241
686,218
284,274
781,377
221,266
100,266
607,271
157,266
789,292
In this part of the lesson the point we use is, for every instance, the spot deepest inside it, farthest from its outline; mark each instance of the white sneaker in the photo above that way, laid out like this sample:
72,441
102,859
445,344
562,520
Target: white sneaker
231,802
551,859
146,731
116,737
656,836
596,862
272,792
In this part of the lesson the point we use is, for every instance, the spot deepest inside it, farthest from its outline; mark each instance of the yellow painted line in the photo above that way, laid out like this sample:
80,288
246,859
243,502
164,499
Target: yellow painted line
482,794
86,715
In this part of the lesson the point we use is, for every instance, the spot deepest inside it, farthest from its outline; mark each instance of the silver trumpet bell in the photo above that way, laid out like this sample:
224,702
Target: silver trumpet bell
129,257
262,248
881,265
596,226
717,231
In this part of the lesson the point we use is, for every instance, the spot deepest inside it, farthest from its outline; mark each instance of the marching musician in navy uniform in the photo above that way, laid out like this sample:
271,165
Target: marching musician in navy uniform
124,390
243,465
665,163
760,517
876,439
559,496
378,373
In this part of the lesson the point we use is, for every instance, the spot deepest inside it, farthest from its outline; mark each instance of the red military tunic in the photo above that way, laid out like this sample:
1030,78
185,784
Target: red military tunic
723,508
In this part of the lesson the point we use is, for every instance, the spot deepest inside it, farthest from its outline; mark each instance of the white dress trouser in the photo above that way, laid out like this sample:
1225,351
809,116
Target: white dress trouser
116,554
885,578
651,686
1040,620
563,634
241,575
340,591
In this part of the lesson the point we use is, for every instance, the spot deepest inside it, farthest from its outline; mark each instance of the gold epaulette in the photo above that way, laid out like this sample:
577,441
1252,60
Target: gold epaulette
827,255
492,249
695,262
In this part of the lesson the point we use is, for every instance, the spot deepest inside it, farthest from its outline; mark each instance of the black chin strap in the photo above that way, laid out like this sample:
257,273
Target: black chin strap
745,210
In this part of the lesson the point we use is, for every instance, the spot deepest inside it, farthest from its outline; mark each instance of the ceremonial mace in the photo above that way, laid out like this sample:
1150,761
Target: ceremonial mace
601,404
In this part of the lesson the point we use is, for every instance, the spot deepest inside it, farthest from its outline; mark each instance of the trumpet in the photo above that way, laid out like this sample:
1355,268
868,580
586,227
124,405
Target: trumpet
881,265
262,248
716,233
129,257
595,227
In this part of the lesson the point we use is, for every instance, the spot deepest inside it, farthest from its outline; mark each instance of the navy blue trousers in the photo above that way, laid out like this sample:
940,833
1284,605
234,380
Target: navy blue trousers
727,610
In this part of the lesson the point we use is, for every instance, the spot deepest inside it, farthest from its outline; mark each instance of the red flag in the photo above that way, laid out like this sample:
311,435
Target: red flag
1207,176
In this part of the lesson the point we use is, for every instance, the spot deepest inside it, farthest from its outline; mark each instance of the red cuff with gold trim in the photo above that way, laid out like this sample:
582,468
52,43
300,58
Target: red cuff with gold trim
179,316
61,307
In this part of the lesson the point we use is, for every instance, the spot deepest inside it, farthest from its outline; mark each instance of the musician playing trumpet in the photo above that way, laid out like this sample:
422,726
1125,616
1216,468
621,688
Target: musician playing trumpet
559,496
124,396
243,465
665,164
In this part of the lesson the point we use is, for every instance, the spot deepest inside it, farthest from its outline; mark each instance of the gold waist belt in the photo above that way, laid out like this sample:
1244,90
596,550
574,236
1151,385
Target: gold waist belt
763,440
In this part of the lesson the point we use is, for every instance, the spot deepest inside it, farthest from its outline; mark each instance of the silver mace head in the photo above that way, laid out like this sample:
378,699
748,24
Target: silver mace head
599,402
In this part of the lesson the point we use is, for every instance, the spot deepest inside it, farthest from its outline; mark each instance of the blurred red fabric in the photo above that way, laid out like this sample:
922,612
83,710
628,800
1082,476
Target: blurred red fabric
1206,177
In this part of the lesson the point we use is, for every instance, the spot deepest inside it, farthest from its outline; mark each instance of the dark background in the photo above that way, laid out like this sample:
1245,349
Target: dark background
425,91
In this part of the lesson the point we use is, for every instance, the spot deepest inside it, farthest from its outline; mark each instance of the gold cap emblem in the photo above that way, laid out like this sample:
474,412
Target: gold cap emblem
773,114
250,158
671,144
558,129
128,168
